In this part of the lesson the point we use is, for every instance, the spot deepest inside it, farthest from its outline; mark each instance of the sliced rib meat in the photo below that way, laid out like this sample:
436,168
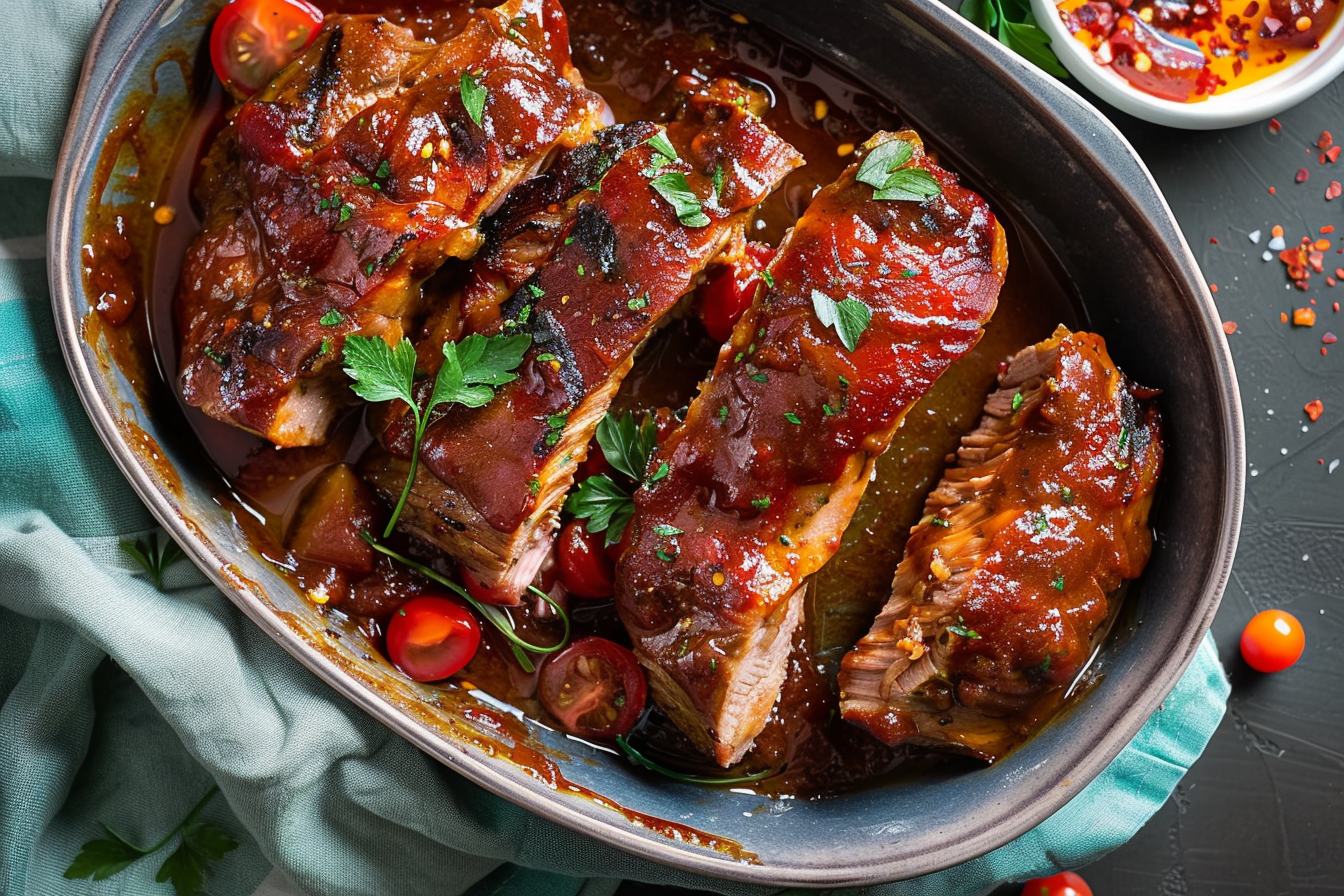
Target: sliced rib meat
1008,581
338,189
492,479
778,447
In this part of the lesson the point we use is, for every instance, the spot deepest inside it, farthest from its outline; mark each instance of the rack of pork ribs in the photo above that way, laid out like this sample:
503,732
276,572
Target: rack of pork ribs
329,202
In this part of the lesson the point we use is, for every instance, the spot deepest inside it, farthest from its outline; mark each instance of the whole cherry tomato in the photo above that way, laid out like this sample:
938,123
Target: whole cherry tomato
593,688
585,569
253,39
1272,641
1064,884
730,291
430,637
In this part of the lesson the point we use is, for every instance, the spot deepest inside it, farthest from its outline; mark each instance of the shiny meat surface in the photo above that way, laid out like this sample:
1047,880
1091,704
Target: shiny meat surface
335,192
777,449
493,478
1007,583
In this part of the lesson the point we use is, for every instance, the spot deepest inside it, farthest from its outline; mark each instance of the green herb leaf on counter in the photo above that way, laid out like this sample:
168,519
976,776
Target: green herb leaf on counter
201,844
677,191
849,318
1014,25
470,372
155,560
473,98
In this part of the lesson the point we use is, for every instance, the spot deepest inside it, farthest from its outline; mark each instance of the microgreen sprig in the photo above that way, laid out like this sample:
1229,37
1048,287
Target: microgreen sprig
489,612
202,843
472,369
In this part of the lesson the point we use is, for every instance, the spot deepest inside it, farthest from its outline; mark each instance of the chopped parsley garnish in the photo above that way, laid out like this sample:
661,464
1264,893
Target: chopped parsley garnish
718,181
347,210
786,541
793,418
1058,583
331,318
884,170
760,378
471,371
384,170
723,413
940,522
660,473
826,410
324,348
215,356
849,318
959,628
909,272
534,486
638,302
665,556
761,503
667,531
473,98
1017,401
769,279
537,291
674,188
1066,495
1042,523
545,357
580,270
1123,441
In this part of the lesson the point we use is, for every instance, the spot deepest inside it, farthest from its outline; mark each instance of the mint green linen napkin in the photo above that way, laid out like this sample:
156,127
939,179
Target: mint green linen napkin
123,703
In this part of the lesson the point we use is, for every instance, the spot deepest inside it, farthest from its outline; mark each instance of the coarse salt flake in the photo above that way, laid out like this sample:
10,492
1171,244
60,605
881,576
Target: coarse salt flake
1276,243
1254,236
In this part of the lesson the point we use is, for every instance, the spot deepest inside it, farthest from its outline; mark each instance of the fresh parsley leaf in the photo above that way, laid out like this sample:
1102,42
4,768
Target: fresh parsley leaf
201,844
663,146
604,504
100,859
677,191
384,170
911,185
473,98
661,472
849,318
882,160
154,559
380,372
960,629
470,372
883,170
626,445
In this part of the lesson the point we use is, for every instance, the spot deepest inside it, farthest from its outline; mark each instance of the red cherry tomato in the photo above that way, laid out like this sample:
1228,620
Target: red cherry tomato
1064,884
593,688
724,298
430,638
253,39
585,570
1272,641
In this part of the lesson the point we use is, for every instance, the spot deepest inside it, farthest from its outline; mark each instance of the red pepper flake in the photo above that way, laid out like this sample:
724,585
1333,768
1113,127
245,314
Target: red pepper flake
1333,191
1339,272
1283,317
1274,126
1330,281
1271,191
1304,317
1329,338
1326,140
1314,409
1214,240
1322,245
1332,154
1336,306
1313,301
1213,287
1302,175
1329,228
1229,327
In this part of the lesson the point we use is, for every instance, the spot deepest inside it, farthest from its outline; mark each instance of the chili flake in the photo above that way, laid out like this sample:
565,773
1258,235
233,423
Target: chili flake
1332,154
1304,317
1326,140
1274,126
1329,338
1302,175
1314,409
1333,191
1229,327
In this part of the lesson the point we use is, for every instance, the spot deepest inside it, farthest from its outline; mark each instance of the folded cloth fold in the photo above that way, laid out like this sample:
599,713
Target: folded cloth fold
123,703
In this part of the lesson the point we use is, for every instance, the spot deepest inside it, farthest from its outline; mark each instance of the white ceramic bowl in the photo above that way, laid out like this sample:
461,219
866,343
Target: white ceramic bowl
1254,102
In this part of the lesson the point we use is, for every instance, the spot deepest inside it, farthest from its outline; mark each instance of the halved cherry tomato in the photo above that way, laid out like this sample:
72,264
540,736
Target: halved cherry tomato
593,688
1272,641
253,39
1064,884
585,570
430,638
730,291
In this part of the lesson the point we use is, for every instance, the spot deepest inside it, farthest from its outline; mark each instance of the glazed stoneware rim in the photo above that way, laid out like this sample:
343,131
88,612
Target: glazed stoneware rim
1054,104
1259,100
